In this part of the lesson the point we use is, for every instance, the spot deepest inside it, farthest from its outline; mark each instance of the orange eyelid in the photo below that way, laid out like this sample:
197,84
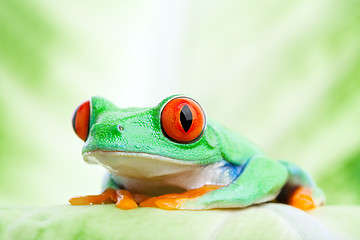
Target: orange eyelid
171,120
81,120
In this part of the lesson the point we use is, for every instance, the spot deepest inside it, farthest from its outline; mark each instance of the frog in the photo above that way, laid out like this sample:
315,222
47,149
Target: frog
173,157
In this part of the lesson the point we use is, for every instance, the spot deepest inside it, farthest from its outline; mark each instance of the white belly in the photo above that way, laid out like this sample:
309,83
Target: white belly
154,175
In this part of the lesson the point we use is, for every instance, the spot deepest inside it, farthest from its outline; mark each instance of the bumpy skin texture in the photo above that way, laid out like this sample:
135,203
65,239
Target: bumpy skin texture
143,134
258,178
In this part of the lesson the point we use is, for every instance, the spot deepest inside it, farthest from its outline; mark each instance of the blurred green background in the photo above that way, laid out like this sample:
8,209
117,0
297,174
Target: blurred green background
286,74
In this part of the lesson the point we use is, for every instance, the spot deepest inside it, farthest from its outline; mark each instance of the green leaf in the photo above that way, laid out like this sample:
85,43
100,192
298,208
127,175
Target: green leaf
266,221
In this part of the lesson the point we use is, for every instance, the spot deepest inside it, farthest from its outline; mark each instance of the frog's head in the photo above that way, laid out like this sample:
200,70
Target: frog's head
175,132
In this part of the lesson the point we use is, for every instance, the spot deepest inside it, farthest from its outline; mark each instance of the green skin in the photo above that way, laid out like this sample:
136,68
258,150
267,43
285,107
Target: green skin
261,178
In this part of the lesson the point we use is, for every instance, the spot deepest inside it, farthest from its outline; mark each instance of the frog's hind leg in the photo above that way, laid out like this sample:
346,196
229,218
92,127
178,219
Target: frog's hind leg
260,181
300,190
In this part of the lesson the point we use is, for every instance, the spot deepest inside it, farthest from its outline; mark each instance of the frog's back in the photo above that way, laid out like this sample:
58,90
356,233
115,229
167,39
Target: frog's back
234,148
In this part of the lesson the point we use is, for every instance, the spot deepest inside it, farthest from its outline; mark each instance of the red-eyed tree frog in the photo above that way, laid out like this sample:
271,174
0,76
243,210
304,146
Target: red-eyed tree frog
172,156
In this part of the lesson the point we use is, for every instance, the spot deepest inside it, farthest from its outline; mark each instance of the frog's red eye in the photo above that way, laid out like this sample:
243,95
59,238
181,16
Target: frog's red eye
182,120
81,120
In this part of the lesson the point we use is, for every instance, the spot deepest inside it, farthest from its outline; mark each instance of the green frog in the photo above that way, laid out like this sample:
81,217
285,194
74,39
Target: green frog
172,156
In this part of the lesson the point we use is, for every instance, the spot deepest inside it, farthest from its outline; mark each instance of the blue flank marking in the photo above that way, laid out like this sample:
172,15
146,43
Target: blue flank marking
234,171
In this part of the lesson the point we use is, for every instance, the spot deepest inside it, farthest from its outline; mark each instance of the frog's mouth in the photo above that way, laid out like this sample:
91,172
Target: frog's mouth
139,165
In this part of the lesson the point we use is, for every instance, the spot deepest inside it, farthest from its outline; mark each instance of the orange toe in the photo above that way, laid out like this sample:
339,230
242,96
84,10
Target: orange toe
175,200
109,195
197,192
80,200
126,204
302,199
170,204
125,200
149,202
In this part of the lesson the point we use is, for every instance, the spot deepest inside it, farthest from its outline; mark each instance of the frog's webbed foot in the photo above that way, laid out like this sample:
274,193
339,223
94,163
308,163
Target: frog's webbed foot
300,191
122,198
302,198
177,200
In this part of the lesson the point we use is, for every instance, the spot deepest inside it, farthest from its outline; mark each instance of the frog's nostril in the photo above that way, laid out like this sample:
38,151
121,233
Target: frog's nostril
121,128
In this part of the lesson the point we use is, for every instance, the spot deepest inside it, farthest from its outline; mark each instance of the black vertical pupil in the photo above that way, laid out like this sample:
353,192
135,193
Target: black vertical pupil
186,117
74,118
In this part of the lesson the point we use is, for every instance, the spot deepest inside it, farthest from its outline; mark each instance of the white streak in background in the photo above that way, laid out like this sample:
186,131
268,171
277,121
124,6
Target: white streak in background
127,52
154,52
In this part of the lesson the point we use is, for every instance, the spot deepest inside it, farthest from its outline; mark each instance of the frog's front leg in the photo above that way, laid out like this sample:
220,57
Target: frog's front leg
260,181
175,200
123,199
112,193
